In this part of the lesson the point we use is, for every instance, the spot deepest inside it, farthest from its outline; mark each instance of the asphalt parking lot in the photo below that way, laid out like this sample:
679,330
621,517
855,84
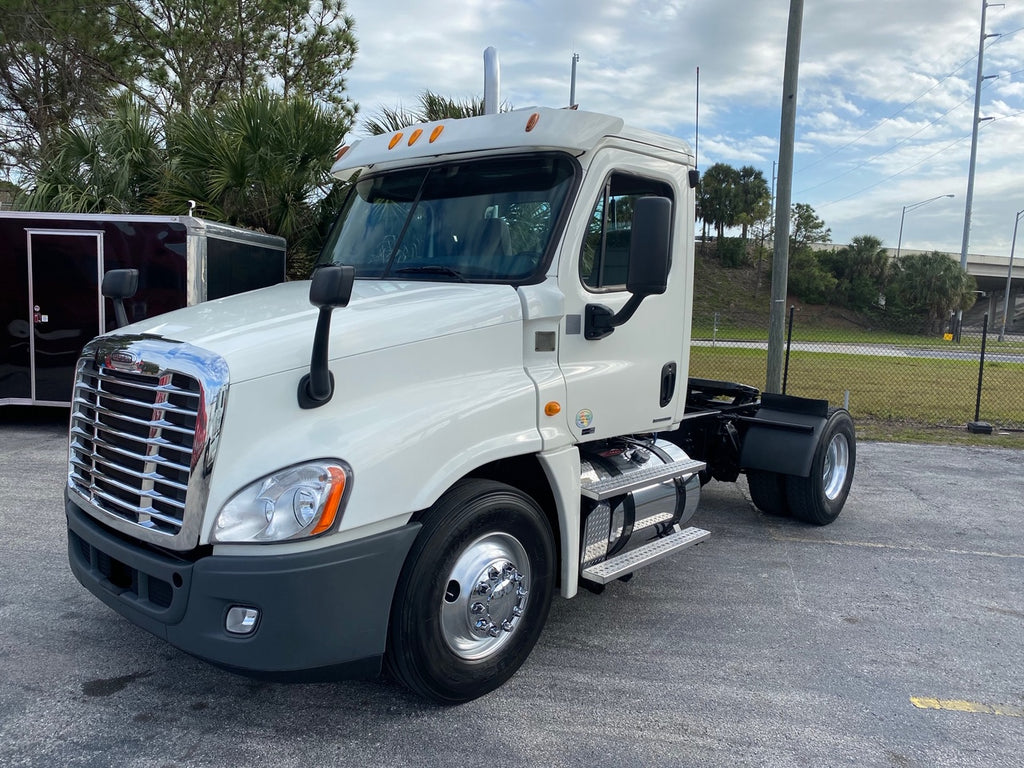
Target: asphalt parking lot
891,638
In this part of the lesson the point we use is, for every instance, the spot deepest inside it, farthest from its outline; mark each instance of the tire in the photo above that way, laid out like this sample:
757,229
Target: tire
768,492
474,593
819,498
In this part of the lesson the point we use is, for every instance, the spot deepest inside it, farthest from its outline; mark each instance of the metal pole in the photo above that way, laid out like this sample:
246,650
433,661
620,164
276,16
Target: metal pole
787,138
1009,274
789,346
912,206
965,244
572,81
696,124
899,240
492,81
981,366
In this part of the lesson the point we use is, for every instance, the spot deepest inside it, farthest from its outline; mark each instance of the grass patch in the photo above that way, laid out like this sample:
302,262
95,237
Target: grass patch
889,432
899,391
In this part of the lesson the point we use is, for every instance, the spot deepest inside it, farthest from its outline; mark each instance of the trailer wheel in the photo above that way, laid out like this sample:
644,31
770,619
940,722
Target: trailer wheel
474,593
819,498
768,492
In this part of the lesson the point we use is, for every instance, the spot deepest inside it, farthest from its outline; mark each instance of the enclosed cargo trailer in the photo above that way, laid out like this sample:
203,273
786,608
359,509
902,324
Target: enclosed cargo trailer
53,265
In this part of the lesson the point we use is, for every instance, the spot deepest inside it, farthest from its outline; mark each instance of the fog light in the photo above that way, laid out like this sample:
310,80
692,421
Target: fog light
241,620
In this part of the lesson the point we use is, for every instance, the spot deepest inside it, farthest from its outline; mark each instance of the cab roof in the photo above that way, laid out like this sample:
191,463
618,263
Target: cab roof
540,128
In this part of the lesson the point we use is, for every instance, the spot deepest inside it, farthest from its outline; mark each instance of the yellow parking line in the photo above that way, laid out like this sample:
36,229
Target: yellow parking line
959,705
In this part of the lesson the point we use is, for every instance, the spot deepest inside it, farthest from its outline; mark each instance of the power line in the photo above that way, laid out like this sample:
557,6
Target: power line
887,150
898,173
880,123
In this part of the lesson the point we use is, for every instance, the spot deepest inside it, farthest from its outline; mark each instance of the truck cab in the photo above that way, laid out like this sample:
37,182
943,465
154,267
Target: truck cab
480,399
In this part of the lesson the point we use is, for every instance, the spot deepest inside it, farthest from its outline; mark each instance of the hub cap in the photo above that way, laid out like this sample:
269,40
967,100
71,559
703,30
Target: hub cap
485,596
837,464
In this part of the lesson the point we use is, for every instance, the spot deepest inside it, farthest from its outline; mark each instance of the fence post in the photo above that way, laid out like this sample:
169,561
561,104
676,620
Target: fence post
980,427
789,345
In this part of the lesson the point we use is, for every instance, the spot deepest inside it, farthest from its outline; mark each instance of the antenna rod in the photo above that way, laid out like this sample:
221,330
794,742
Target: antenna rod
572,82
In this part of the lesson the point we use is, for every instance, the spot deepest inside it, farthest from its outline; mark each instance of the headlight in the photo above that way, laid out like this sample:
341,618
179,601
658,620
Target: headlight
300,501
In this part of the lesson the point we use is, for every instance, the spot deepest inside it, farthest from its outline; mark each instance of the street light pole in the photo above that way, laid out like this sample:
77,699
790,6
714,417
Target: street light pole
1009,274
912,206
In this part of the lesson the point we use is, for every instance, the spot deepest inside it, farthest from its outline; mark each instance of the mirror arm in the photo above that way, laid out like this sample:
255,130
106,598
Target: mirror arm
600,321
317,386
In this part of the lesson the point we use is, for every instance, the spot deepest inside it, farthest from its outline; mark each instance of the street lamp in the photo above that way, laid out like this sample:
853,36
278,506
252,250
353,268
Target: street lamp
1009,274
912,206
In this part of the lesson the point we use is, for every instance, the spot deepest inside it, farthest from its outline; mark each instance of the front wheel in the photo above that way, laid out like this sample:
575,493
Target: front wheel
819,497
474,593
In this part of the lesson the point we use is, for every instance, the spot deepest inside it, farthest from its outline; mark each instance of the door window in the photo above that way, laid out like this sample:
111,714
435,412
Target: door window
604,261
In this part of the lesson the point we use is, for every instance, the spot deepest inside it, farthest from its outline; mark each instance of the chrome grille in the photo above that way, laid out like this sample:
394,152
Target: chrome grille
140,443
131,443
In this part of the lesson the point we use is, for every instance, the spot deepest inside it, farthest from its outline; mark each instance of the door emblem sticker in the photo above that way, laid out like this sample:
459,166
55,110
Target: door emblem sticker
584,418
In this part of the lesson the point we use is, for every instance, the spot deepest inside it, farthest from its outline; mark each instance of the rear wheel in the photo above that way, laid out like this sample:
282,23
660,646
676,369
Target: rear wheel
819,497
474,593
768,491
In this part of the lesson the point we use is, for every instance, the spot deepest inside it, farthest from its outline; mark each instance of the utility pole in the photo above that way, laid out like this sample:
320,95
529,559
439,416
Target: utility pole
974,152
783,202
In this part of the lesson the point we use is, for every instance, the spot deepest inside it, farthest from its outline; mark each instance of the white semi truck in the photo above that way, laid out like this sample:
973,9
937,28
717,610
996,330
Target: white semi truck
486,404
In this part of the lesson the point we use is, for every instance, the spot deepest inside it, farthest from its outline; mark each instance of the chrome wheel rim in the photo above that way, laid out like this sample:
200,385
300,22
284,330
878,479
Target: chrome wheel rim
485,596
837,466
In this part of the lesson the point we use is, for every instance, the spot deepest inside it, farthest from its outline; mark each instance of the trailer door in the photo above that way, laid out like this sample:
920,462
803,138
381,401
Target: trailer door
65,308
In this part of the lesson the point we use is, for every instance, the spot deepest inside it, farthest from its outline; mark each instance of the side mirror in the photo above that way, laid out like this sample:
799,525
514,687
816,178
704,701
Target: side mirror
650,250
331,287
118,285
650,246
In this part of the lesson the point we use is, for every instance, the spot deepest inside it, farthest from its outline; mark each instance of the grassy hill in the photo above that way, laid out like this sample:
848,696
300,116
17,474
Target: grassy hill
741,297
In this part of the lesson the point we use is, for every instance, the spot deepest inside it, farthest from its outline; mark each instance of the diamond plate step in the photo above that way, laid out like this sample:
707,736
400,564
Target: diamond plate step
626,563
641,478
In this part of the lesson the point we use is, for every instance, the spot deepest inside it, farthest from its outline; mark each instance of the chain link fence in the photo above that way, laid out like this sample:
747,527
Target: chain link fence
910,381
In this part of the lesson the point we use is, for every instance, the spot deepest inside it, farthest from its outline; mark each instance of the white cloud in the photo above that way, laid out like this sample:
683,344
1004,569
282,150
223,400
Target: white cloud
877,80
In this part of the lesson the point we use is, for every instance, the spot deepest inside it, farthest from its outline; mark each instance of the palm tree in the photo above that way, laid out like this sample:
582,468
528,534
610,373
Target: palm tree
261,162
431,108
925,288
113,166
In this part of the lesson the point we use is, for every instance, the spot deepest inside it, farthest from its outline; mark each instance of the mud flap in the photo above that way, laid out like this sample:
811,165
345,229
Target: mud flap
783,434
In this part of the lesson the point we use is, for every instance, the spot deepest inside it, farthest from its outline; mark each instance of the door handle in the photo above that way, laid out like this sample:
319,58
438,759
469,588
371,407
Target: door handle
668,383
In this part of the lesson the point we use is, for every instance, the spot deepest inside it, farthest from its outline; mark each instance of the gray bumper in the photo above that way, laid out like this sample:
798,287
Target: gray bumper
323,614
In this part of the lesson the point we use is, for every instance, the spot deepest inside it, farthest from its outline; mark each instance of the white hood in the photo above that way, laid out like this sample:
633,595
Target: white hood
271,330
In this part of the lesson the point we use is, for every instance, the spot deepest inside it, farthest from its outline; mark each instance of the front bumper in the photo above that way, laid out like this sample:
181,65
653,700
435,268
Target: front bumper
323,614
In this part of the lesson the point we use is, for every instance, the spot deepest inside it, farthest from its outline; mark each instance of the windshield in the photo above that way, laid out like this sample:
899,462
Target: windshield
486,220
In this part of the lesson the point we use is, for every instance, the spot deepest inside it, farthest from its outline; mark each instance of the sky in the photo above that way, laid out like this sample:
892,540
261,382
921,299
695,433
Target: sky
885,104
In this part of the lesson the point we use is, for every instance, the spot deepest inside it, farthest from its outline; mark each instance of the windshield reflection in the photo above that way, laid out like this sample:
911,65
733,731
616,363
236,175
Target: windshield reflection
489,220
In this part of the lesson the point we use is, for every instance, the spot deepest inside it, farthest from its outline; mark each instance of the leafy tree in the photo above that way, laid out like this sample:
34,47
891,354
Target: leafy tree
56,63
861,271
924,289
313,53
61,62
808,278
806,228
196,53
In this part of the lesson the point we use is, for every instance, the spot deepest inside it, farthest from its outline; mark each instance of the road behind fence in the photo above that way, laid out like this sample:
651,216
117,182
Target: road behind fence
933,382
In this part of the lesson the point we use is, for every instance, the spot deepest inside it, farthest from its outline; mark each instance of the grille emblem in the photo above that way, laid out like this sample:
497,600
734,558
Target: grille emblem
122,361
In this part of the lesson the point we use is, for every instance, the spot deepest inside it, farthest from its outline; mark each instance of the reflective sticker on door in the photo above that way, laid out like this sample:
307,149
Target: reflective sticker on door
584,418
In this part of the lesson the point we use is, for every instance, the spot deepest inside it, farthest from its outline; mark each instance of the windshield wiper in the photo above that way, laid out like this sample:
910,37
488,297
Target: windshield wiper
431,269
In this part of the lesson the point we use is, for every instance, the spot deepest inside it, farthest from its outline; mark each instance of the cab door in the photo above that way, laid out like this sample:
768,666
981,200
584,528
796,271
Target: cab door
628,381
65,307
